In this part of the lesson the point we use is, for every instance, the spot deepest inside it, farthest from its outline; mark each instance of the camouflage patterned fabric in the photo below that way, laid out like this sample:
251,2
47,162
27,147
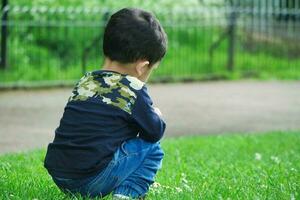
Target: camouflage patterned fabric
109,87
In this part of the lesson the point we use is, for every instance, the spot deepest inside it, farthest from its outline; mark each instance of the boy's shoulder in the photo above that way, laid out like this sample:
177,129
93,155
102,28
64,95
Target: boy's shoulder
112,88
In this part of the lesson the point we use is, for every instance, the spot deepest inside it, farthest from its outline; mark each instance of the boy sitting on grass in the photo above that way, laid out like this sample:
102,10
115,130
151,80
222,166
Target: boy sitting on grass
108,137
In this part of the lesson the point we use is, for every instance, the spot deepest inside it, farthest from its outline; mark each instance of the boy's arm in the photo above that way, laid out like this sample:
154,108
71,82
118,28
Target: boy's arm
151,125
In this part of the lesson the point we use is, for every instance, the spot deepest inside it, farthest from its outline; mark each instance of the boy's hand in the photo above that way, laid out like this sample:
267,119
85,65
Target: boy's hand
157,111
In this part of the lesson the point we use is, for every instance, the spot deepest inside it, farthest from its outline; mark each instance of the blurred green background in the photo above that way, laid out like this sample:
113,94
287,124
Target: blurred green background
60,40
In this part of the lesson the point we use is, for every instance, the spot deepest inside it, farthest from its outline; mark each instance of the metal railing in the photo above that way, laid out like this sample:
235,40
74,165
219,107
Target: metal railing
229,41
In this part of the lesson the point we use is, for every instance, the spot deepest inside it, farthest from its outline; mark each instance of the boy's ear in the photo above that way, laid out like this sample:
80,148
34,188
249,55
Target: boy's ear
141,67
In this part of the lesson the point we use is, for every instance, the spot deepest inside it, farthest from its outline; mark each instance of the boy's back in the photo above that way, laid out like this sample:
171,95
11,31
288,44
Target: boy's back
105,109
108,137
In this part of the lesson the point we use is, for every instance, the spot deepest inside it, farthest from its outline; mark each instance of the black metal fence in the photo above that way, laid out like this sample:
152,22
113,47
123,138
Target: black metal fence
235,40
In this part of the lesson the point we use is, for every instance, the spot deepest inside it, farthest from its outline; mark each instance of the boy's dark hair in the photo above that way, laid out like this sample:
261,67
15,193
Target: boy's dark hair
132,34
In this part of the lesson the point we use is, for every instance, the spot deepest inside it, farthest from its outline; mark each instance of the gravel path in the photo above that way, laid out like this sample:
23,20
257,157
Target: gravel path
28,118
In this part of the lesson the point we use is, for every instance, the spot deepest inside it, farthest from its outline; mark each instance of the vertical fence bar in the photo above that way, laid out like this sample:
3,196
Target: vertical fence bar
231,36
267,43
4,20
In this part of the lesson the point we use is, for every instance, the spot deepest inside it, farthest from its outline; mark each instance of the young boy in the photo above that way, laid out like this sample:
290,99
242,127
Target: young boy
108,137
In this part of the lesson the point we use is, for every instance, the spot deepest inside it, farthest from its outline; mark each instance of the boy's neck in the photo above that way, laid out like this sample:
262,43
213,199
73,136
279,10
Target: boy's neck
119,67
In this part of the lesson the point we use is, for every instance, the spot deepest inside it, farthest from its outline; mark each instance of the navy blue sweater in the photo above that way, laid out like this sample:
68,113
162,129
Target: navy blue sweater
105,109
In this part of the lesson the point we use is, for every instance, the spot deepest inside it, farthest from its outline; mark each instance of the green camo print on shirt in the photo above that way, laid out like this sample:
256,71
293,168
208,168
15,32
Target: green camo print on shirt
106,85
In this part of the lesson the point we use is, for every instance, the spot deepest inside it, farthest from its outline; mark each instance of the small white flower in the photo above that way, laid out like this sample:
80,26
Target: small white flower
178,189
275,159
183,180
293,169
156,185
135,83
264,186
167,187
187,187
293,197
258,156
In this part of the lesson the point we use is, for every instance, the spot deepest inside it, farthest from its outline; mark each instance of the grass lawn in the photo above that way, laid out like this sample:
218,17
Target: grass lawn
259,166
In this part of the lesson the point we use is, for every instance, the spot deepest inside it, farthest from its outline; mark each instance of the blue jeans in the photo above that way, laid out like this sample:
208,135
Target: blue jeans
130,172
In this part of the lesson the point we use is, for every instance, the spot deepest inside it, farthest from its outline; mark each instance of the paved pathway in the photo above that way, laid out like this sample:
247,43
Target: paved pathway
28,118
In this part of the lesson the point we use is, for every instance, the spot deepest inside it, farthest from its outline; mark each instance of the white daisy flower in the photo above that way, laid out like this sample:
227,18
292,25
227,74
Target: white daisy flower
293,197
275,159
187,187
178,189
258,156
156,185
